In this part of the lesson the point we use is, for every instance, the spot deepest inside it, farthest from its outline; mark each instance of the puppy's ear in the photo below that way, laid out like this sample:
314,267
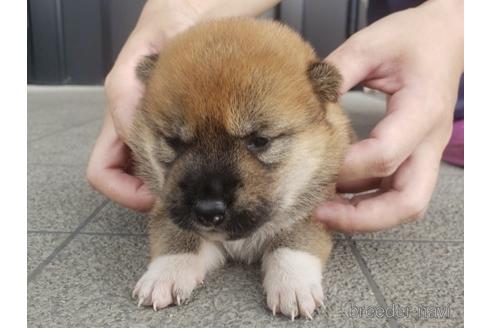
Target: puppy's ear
146,66
326,81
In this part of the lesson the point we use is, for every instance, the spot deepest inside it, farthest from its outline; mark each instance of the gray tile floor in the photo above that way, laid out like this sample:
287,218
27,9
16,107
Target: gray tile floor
86,253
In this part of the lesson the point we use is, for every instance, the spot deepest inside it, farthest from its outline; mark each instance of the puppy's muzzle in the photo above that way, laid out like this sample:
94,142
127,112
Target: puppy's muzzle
210,212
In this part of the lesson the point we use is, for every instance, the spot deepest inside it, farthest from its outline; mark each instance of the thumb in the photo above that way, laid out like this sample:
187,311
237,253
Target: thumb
123,93
354,61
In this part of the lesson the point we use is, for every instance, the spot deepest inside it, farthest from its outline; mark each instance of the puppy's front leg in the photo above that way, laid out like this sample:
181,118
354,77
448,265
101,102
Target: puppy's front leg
179,261
293,269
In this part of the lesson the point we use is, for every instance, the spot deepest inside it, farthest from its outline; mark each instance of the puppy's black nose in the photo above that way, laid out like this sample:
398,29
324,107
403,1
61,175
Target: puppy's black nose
210,212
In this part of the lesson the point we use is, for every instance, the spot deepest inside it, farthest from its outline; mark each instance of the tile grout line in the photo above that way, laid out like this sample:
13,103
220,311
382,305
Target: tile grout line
31,141
118,234
35,273
40,164
90,233
370,280
103,233
416,241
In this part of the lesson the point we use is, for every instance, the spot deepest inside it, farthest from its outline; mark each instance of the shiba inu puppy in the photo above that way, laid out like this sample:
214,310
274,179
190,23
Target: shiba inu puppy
239,136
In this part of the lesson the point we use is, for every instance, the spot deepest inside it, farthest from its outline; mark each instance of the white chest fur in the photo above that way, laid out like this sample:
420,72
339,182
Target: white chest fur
249,249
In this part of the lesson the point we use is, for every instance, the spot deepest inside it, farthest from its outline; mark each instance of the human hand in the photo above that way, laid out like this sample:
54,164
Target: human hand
416,57
108,168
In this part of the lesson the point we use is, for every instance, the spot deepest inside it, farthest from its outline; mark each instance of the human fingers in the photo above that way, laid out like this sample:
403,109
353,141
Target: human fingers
106,171
406,199
408,122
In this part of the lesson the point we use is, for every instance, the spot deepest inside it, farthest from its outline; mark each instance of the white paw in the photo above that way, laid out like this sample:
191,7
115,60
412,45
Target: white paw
170,279
292,282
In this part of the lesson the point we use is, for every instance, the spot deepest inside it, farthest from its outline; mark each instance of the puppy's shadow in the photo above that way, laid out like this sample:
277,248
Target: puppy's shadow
233,281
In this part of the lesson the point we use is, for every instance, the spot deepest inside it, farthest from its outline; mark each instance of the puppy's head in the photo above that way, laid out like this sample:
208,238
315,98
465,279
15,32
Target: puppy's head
238,127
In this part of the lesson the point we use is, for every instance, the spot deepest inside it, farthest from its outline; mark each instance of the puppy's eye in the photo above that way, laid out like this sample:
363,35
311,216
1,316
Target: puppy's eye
257,144
175,143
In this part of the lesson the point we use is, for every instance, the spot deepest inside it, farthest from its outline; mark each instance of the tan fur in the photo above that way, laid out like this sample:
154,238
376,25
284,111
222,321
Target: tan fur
176,240
313,239
214,87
